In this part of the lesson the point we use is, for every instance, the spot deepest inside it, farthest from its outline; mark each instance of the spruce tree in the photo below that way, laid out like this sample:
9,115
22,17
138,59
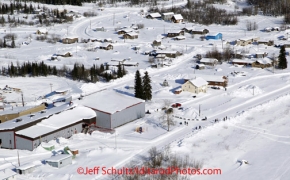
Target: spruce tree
147,89
119,71
138,85
282,58
13,43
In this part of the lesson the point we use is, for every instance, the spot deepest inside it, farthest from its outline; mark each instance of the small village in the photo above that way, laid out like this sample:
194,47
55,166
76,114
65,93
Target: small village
112,85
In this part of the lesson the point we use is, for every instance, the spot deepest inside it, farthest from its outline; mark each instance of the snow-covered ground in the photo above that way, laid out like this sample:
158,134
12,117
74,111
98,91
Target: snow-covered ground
256,102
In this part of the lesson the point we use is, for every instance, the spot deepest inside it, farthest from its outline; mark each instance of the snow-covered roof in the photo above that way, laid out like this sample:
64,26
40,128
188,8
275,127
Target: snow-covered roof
180,37
178,16
61,90
105,44
6,173
132,34
264,61
53,123
242,61
198,82
9,110
26,166
165,52
130,63
247,38
114,63
208,78
208,60
58,158
175,31
114,101
168,13
42,30
155,15
12,124
127,30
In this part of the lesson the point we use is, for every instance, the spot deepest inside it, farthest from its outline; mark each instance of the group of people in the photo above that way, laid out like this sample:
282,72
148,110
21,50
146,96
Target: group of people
225,118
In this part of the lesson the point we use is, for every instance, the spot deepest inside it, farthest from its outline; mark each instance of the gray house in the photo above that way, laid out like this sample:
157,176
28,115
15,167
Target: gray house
60,160
114,109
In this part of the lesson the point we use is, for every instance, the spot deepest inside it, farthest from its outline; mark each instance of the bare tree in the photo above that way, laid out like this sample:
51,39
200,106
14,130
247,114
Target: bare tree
167,115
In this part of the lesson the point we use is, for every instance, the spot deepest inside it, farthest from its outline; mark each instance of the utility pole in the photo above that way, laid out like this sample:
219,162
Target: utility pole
116,140
164,29
253,90
67,30
199,111
90,24
22,99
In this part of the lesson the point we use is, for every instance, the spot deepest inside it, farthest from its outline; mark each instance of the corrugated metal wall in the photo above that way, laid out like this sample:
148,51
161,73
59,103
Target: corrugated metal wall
7,139
103,120
127,115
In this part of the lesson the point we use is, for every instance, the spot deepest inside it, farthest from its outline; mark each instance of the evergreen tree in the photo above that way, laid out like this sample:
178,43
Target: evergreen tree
54,71
4,43
119,71
282,64
147,94
138,85
13,43
123,71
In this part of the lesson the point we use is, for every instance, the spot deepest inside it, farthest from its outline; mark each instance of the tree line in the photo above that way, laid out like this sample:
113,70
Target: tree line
143,89
78,73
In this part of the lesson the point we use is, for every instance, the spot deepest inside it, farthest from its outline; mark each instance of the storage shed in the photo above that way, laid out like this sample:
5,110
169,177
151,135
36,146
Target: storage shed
60,160
214,36
26,168
118,110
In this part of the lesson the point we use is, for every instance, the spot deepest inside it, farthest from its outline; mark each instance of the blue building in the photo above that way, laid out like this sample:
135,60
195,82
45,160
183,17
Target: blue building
214,36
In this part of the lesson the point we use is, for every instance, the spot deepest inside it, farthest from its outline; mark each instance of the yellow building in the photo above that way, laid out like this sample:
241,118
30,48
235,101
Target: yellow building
196,85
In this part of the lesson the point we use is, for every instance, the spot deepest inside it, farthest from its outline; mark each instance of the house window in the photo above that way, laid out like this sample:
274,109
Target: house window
60,162
10,141
0,141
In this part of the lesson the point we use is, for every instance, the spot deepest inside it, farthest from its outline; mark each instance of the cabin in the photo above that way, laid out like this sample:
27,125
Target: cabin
175,33
261,54
247,40
245,62
109,40
99,29
167,16
26,168
214,36
196,85
200,66
130,63
106,46
178,91
170,54
263,63
179,38
201,31
70,40
267,43
156,43
177,18
67,54
131,35
125,31
59,161
153,16
212,80
42,32
208,61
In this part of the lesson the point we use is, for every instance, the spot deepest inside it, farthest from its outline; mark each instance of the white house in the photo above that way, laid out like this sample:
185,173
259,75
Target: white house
26,168
208,61
196,85
60,160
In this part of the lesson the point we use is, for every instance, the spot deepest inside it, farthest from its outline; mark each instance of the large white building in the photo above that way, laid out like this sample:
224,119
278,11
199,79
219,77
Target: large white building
114,109
27,132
